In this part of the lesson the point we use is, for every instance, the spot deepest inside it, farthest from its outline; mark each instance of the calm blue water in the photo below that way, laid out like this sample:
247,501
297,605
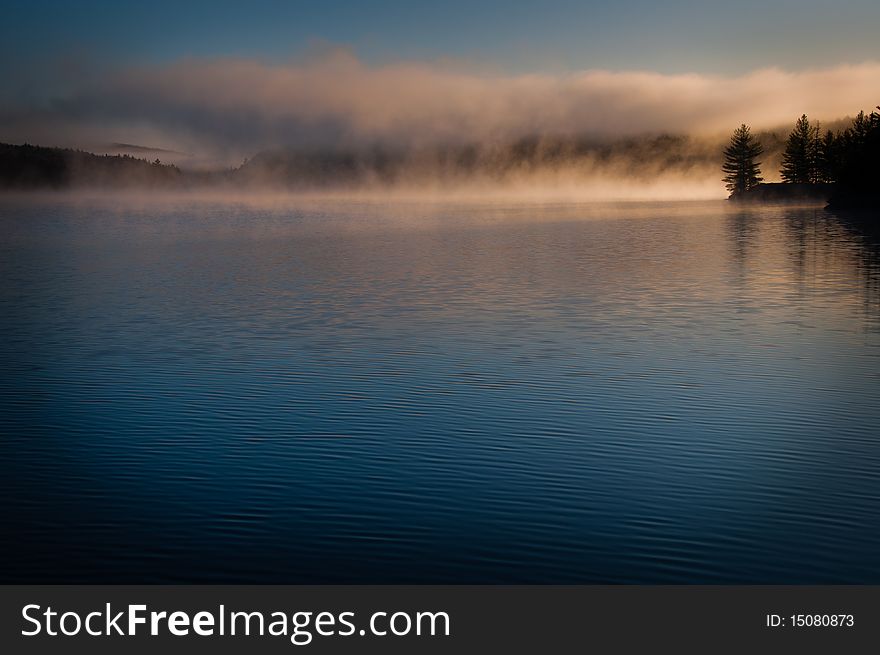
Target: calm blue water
414,392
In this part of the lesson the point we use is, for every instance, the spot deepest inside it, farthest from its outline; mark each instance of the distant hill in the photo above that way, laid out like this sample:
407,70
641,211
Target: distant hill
136,148
534,160
29,167
123,148
638,159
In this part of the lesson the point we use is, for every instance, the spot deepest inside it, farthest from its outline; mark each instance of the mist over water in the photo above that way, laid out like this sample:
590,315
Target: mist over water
334,123
226,109
314,389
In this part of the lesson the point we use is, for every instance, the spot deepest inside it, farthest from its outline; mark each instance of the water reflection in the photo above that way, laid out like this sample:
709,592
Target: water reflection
359,392
743,228
863,229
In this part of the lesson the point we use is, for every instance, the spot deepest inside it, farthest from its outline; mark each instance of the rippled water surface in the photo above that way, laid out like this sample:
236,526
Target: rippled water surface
411,392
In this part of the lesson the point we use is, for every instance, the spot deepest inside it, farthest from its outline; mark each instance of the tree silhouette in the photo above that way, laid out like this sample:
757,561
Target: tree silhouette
741,170
858,180
800,159
861,127
828,158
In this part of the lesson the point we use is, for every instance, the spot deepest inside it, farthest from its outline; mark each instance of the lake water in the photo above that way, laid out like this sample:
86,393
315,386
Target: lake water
343,391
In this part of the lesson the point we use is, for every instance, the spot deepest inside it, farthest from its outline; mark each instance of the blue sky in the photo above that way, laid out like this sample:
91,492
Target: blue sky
515,36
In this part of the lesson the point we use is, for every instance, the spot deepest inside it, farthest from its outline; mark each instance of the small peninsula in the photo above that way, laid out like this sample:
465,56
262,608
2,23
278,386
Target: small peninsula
839,168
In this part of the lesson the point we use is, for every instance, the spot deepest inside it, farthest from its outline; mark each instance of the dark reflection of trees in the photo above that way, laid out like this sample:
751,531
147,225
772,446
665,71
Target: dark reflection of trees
815,242
799,226
742,226
820,240
820,245
863,229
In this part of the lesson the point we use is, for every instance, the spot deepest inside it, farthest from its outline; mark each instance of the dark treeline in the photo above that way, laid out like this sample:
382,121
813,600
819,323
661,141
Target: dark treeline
29,167
636,158
840,166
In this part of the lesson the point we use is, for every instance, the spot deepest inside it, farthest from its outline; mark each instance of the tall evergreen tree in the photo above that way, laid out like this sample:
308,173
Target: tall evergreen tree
828,163
741,170
861,128
800,159
858,180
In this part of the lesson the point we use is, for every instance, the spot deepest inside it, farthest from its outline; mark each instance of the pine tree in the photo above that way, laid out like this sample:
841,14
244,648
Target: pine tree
800,163
741,170
861,127
858,179
828,163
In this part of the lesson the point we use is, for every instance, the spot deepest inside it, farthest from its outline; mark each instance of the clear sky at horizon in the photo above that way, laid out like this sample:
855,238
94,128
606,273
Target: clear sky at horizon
670,37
